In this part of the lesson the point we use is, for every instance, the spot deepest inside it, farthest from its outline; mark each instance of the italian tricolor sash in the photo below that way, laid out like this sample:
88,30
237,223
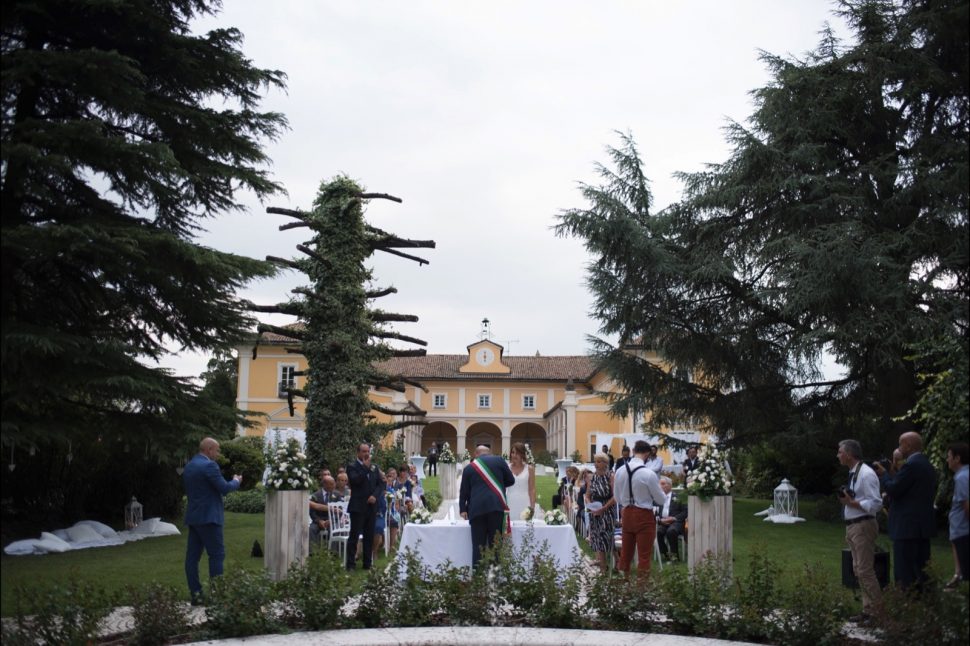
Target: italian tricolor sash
489,478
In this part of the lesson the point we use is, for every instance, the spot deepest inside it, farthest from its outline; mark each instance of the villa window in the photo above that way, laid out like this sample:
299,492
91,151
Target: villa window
287,378
529,402
484,401
439,400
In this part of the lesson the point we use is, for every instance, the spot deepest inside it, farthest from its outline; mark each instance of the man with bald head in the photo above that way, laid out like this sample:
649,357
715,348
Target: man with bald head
366,486
482,500
204,517
911,521
320,508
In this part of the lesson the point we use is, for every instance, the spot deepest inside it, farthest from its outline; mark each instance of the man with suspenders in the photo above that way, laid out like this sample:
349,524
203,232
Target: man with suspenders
638,491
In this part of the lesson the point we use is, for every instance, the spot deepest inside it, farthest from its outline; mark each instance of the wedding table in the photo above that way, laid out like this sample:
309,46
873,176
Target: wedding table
442,541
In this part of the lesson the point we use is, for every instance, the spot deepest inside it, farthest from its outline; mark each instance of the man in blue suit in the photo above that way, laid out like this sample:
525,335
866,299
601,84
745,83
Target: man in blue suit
204,488
911,522
482,500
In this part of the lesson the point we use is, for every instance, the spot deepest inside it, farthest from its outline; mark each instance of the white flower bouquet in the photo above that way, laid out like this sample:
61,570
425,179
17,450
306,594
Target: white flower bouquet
465,456
529,458
527,513
555,517
288,470
446,456
711,477
421,516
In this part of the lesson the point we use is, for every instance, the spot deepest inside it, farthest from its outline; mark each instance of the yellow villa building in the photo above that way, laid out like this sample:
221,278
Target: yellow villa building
553,403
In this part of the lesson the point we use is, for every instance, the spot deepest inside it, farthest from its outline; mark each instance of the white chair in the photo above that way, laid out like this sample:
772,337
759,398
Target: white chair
339,527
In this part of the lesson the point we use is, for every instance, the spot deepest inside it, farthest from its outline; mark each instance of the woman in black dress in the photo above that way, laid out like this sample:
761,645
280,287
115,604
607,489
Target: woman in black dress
602,520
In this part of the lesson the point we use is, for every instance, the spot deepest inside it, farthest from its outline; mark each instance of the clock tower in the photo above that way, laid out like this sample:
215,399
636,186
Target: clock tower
485,356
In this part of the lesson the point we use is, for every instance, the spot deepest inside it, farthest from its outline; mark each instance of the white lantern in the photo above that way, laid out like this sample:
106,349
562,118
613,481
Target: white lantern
133,512
786,500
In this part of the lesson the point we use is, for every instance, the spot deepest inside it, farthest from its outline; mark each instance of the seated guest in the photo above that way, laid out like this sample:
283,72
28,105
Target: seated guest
655,462
319,510
670,521
343,486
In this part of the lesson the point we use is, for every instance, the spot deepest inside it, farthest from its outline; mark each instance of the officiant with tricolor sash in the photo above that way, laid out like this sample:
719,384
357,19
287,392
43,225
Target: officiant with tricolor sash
482,499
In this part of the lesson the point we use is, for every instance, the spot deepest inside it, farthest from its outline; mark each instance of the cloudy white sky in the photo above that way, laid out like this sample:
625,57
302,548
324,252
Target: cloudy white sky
484,117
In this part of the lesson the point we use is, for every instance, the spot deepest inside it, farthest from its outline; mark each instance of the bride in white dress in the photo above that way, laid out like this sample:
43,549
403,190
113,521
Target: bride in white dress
522,494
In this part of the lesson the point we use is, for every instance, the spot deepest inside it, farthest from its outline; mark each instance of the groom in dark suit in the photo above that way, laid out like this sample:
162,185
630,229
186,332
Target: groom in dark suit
366,485
204,517
482,500
911,522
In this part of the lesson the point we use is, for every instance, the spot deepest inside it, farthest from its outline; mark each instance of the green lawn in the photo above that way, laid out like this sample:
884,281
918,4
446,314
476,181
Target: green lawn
161,559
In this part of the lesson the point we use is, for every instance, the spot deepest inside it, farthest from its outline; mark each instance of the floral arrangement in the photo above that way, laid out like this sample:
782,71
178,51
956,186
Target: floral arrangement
287,464
711,477
421,516
527,513
555,517
465,456
446,456
529,459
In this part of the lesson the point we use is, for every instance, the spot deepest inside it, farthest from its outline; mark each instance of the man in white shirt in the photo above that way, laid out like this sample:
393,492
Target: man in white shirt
654,462
861,501
638,491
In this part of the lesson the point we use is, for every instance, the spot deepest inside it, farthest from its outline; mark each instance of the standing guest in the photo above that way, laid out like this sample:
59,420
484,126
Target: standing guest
861,502
692,460
654,462
956,459
624,458
433,459
670,524
602,516
911,523
482,501
393,507
366,485
638,491
380,521
585,476
609,456
204,515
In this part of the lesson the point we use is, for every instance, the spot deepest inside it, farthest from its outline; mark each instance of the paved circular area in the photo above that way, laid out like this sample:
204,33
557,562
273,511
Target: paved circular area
475,636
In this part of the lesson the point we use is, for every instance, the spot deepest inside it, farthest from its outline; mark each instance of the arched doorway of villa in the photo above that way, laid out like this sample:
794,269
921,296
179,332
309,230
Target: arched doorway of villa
439,432
531,434
484,433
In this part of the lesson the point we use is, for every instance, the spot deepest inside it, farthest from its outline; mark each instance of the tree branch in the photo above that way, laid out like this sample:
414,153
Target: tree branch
381,292
293,225
383,317
292,264
404,423
299,215
420,261
313,254
389,411
394,241
409,353
381,334
282,331
379,196
294,309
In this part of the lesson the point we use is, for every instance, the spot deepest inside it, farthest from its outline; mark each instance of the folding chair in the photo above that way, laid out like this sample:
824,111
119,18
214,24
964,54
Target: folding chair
339,527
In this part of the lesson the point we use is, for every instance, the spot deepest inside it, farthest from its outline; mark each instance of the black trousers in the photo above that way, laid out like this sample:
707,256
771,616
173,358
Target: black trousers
484,529
361,523
432,467
667,536
962,544
910,556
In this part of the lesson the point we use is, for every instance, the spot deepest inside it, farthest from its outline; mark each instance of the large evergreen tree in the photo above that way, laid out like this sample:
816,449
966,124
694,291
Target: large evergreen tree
837,227
121,132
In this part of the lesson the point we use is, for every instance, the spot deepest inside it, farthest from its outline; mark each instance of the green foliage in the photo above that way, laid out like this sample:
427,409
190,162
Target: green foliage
836,228
464,599
576,456
377,598
111,159
313,594
158,613
697,603
252,501
811,611
389,456
621,603
943,616
239,604
415,600
59,614
547,458
432,499
756,598
245,457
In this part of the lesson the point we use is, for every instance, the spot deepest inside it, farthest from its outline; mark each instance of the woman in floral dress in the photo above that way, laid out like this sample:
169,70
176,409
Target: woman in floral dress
602,520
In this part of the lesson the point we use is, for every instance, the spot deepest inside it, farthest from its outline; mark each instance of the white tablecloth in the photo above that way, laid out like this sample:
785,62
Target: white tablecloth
441,541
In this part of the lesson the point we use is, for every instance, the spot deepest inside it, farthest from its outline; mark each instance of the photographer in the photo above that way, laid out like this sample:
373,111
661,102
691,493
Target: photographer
861,502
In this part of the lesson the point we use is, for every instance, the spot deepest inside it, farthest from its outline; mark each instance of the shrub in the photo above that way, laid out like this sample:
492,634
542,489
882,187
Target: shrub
68,614
158,613
313,594
935,616
812,611
697,603
246,502
619,603
547,458
829,510
415,600
463,601
376,599
386,457
243,455
432,500
239,604
752,617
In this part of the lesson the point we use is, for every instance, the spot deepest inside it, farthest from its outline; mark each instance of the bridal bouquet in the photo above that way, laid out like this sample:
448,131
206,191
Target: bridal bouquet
421,516
555,517
527,513
529,459
446,456
287,464
711,477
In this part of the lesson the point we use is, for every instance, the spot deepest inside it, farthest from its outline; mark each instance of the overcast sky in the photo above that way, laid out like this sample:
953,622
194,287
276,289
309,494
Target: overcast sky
484,117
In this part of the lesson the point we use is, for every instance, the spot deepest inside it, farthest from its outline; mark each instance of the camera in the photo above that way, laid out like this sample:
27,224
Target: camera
885,463
844,491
